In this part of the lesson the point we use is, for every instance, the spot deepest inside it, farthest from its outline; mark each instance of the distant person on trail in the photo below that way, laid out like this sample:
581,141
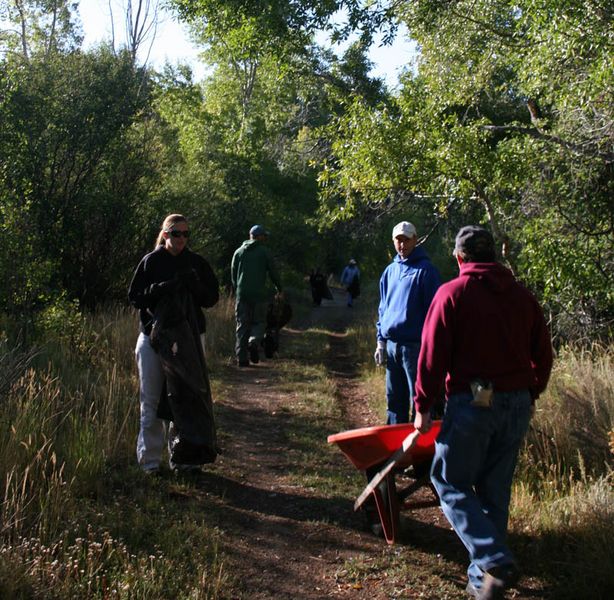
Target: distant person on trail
350,280
484,336
250,264
319,287
407,287
169,287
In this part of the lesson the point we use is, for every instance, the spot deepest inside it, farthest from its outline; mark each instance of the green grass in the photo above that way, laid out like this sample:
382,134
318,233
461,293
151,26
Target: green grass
79,519
402,572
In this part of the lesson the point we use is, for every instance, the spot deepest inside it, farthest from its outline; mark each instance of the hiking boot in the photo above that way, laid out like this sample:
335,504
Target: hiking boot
497,580
153,472
253,352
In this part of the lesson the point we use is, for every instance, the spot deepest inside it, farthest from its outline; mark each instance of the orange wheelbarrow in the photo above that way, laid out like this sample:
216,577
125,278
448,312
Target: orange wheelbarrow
383,452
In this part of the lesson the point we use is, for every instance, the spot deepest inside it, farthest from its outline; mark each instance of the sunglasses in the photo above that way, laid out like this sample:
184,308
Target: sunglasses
177,234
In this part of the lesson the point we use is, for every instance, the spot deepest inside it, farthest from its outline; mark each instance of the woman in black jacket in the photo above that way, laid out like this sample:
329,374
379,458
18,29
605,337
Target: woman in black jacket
171,270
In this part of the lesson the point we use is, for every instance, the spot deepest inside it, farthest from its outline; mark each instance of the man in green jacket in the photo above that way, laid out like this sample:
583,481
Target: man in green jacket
250,264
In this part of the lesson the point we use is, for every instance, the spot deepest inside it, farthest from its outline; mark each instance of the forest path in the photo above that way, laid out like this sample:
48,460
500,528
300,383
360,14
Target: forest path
282,498
282,538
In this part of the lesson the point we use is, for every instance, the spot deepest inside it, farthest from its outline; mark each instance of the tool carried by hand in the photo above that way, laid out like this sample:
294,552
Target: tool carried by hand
393,461
392,450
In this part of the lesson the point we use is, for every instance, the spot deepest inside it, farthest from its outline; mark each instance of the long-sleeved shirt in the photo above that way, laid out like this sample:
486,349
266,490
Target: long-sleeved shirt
407,287
248,271
348,275
483,325
160,267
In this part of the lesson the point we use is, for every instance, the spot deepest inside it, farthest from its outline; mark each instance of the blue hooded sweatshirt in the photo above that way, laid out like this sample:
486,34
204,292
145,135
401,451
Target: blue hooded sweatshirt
407,287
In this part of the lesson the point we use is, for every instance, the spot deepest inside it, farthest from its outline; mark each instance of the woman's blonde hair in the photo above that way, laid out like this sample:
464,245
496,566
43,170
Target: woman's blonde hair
167,225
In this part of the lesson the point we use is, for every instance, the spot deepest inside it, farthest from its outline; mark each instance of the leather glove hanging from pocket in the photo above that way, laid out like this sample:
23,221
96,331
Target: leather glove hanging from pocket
482,393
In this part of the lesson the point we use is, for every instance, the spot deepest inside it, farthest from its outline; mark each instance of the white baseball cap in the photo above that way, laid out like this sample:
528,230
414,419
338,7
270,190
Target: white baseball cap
404,228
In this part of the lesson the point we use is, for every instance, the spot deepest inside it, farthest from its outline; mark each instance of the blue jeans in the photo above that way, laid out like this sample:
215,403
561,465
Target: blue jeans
401,370
475,457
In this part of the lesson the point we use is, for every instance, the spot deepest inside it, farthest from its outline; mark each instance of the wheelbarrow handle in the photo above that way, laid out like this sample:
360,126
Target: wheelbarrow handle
393,461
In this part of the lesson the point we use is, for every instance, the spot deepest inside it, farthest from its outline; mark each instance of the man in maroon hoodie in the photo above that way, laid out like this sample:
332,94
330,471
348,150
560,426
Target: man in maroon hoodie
486,337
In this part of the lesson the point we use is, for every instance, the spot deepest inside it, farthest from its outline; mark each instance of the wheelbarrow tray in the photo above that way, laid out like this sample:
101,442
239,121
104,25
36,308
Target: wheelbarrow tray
369,448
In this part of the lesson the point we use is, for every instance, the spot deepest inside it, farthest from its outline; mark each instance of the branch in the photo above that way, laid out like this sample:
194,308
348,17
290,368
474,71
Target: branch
333,80
608,157
505,37
23,23
52,28
443,215
140,22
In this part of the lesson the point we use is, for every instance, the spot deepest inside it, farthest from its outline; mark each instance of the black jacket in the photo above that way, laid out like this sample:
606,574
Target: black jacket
159,273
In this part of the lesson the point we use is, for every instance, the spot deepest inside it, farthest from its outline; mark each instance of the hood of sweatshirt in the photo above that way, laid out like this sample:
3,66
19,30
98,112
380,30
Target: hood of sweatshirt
494,275
418,254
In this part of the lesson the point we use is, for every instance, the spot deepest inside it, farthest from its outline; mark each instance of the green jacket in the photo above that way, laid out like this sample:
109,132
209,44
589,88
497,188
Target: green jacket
250,264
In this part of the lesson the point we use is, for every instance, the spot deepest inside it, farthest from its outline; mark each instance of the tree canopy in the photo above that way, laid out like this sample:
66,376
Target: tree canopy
508,115
505,117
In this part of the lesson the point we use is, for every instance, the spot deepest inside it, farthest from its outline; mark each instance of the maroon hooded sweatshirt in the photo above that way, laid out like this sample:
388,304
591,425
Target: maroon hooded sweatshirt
483,325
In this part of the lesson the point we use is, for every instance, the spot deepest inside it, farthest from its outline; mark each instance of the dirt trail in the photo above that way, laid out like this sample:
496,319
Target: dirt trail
283,540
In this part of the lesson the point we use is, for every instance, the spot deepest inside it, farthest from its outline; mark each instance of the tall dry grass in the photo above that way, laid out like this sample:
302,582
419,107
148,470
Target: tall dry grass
68,425
564,495
575,417
563,499
220,338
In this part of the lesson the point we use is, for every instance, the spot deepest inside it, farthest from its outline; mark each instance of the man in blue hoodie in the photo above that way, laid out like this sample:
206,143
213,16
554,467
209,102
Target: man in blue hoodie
407,287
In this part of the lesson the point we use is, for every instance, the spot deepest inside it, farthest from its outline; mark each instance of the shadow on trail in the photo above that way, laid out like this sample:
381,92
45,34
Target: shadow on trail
431,539
325,329
274,444
241,504
294,507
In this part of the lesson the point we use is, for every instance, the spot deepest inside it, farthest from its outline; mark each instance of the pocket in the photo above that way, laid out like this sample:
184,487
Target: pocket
467,420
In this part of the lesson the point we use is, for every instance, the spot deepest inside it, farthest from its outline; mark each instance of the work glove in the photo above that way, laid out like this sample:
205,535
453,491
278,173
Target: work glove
157,290
380,353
